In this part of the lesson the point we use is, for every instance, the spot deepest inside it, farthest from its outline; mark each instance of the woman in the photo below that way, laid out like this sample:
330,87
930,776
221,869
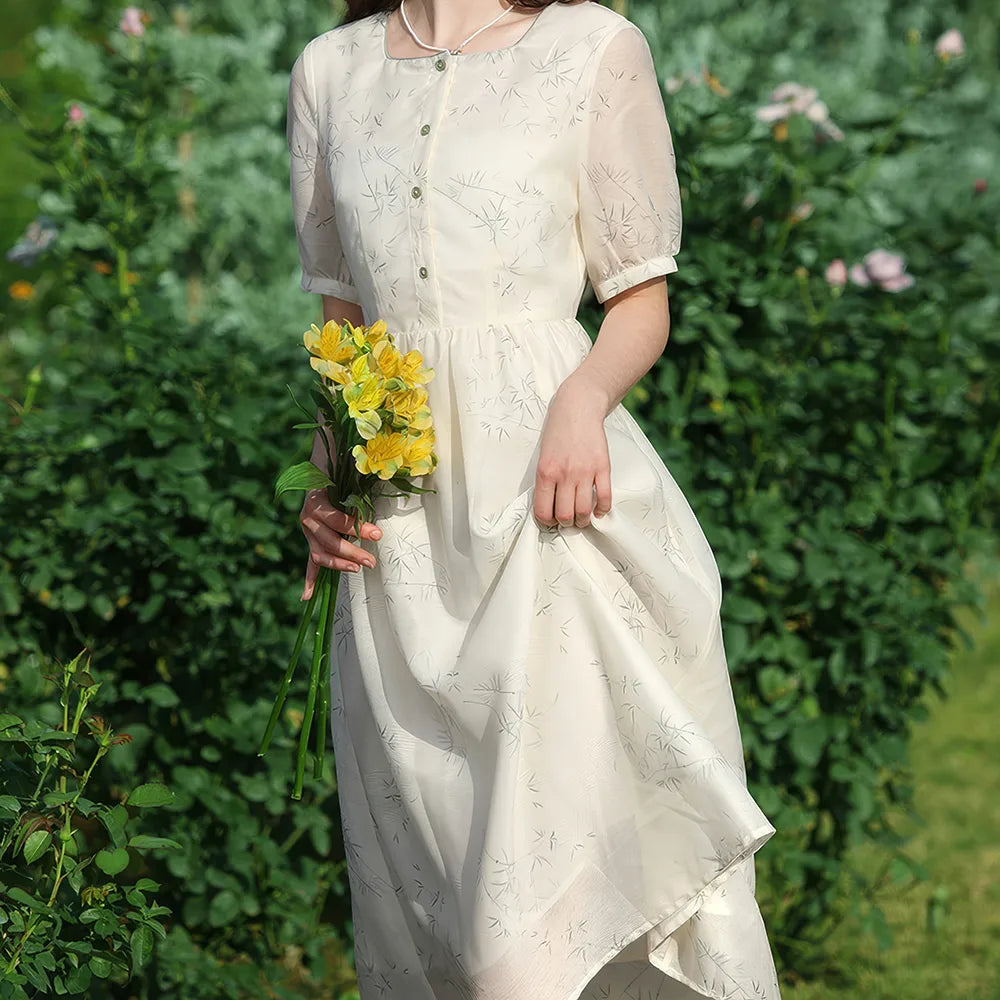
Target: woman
541,780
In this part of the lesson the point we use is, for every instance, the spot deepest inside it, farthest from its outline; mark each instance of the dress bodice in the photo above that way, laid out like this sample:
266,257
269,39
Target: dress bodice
464,189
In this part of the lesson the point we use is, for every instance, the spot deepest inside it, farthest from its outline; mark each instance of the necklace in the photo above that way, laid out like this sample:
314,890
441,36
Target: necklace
461,45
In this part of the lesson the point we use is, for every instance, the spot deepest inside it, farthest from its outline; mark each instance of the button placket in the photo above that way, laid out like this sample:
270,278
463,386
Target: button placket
418,209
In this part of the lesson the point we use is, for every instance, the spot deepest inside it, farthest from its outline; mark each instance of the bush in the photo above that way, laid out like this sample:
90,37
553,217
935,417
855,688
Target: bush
74,910
838,443
137,520
838,440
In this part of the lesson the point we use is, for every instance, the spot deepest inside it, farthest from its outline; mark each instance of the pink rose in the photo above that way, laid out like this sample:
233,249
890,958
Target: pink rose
896,283
836,272
882,265
859,275
132,22
791,98
883,268
951,43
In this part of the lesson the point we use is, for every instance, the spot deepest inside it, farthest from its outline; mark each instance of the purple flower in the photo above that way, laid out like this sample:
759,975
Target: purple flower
36,239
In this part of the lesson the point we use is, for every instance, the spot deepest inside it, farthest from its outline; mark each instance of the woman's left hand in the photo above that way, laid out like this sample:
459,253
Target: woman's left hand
574,456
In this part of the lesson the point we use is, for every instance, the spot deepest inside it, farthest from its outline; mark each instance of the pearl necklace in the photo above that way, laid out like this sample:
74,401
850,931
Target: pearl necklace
438,48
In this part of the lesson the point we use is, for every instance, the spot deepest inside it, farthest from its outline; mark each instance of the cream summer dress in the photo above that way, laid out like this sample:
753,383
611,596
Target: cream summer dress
536,744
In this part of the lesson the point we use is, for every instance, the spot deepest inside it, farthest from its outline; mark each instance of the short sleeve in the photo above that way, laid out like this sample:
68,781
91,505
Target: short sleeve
630,207
324,266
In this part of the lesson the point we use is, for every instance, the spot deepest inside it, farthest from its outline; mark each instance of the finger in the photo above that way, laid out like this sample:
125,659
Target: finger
544,500
603,483
335,544
584,503
324,558
565,506
340,520
311,571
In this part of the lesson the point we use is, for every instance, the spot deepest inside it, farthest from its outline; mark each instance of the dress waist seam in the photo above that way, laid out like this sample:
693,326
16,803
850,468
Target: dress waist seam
484,324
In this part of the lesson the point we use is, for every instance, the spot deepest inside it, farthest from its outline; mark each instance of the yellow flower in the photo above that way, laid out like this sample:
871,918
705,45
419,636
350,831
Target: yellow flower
412,370
418,453
378,333
387,359
331,348
381,456
364,395
22,291
410,405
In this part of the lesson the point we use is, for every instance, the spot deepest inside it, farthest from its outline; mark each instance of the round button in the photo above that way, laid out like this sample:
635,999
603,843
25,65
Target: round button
415,192
423,272
439,63
424,129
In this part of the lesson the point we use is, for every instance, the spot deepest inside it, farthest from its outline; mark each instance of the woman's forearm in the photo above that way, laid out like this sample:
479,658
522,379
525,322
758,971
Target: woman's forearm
631,338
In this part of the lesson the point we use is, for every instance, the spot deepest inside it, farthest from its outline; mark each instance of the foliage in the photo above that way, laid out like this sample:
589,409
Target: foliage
137,462
837,441
72,908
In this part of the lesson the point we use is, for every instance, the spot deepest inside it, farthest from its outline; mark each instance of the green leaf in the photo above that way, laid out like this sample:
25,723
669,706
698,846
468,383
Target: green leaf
78,980
9,721
141,840
304,476
114,820
153,793
112,862
743,609
57,798
37,977
36,845
142,947
100,966
162,695
223,908
20,896
807,739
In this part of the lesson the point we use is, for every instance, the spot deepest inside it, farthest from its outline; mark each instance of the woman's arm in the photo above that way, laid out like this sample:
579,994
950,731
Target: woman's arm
574,451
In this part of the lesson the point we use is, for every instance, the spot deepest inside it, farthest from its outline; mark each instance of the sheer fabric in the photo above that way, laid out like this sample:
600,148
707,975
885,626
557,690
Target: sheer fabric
325,269
630,205
539,763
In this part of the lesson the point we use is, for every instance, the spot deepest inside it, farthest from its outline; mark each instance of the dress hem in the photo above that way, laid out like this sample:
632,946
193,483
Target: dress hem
675,916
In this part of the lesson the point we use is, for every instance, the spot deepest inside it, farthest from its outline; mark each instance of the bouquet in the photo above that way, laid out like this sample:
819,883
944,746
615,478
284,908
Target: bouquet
372,401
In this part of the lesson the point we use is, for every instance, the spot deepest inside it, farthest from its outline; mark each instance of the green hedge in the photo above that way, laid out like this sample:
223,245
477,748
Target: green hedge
837,443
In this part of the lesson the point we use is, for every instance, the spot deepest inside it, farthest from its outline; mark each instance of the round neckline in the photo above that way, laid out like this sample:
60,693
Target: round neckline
457,55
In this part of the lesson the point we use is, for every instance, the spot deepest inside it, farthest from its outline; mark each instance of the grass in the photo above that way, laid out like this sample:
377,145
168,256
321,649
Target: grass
956,762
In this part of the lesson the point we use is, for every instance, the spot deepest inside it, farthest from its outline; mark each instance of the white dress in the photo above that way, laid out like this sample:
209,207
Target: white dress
536,744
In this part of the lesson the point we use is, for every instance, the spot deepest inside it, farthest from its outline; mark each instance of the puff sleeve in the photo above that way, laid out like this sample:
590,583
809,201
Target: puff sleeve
324,267
630,207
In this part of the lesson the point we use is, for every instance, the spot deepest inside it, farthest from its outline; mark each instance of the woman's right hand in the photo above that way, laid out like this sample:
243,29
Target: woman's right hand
325,527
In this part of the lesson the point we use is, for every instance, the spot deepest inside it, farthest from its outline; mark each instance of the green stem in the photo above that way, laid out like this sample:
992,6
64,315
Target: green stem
324,690
300,759
279,701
